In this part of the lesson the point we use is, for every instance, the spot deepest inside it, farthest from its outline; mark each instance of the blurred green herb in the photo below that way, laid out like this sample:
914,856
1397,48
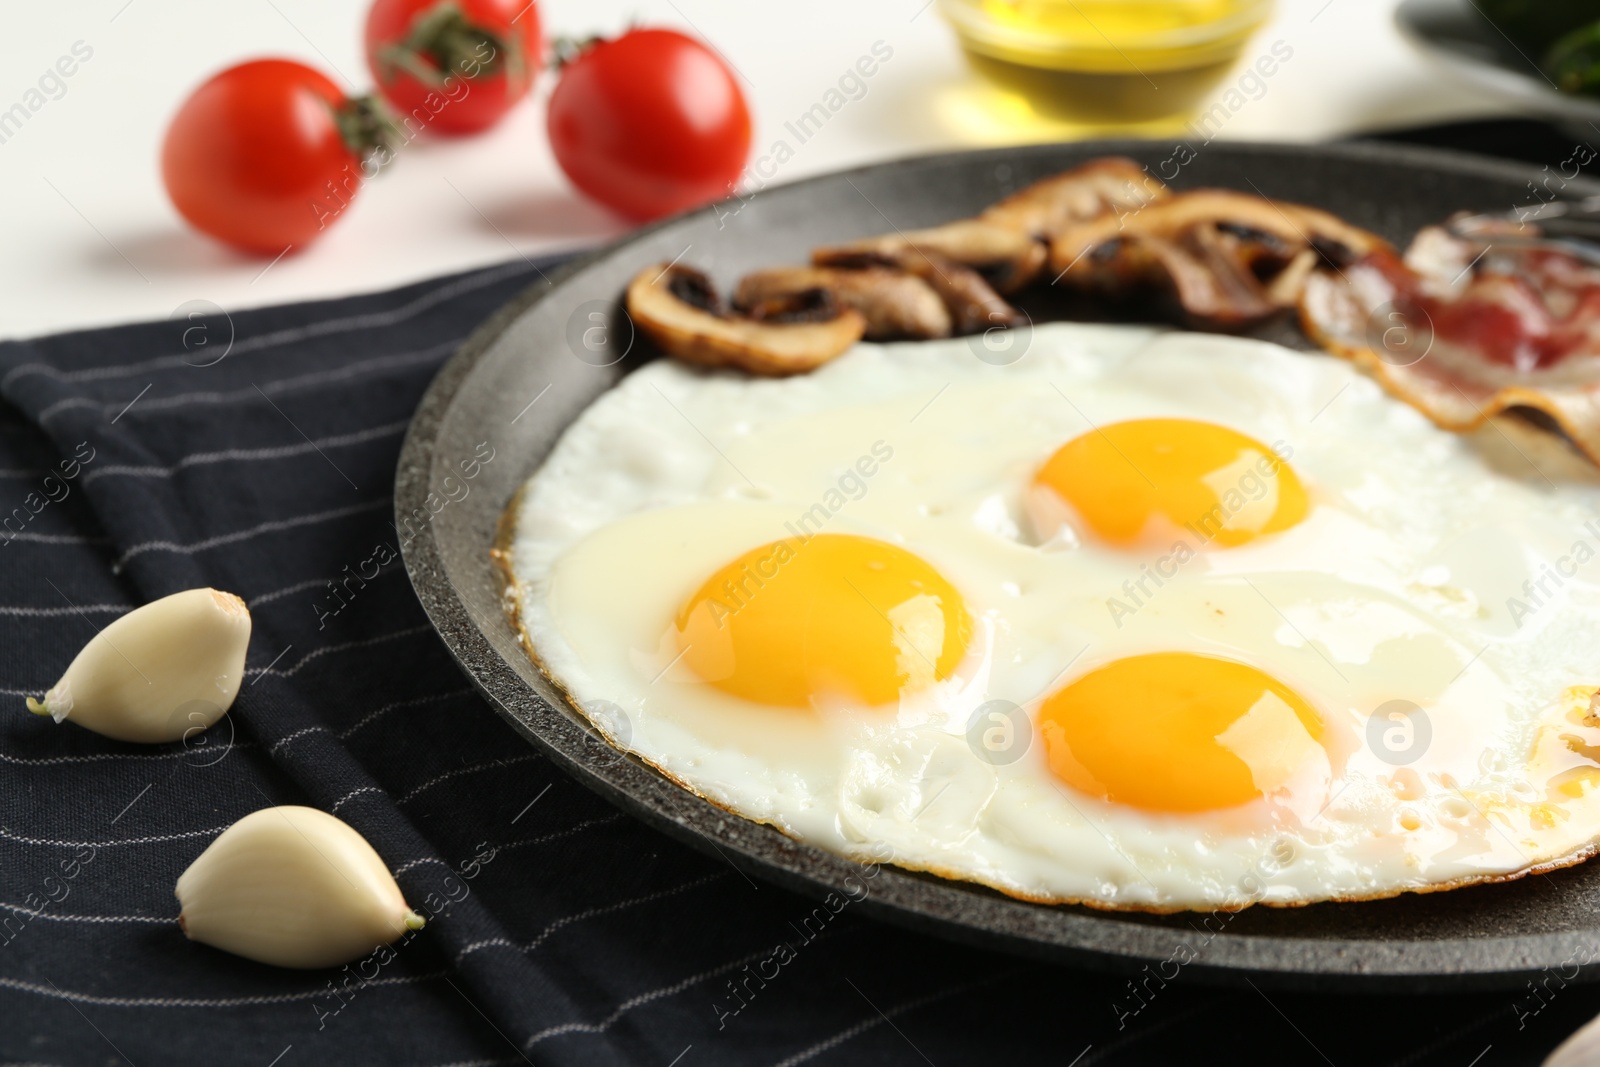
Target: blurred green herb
1573,63
1534,25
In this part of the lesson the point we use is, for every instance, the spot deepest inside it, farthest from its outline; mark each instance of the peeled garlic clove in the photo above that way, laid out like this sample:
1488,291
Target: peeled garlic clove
294,887
158,673
1582,1049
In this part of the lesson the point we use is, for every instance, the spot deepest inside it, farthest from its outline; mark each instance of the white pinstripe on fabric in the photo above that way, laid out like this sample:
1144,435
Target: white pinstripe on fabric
253,392
414,864
250,455
286,738
51,539
278,594
607,909
272,526
318,583
370,320
845,1035
474,769
74,610
599,820
111,919
97,757
337,804
68,404
7,835
204,1002
589,913
1144,1032
644,998
396,705
302,381
879,1018
577,828
328,650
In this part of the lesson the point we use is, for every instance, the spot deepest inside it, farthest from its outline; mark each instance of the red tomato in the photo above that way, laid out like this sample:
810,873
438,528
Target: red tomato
455,66
650,123
255,157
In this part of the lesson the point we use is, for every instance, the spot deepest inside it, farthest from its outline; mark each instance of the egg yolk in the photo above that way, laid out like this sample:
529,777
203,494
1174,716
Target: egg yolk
1178,732
832,616
1151,478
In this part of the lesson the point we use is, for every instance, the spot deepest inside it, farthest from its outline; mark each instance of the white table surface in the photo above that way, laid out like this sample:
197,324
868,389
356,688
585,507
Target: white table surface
89,237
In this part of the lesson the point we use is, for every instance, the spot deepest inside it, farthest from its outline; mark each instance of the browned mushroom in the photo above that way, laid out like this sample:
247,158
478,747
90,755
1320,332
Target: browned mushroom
1211,284
1007,259
973,304
1230,258
1111,186
1004,242
679,309
1267,223
894,303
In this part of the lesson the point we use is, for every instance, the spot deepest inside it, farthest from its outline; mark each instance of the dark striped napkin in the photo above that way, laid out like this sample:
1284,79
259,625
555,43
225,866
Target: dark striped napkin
256,454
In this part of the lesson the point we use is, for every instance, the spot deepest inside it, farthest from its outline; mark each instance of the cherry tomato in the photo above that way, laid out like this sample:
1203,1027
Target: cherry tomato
454,66
650,123
261,156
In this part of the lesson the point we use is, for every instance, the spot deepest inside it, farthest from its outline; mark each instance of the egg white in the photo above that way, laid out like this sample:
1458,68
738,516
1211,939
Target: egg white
1401,584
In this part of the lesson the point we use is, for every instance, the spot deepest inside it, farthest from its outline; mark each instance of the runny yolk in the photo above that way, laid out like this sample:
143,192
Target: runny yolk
1150,479
1179,732
832,616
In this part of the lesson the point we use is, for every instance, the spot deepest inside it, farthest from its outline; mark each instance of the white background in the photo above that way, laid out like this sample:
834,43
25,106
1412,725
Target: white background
89,237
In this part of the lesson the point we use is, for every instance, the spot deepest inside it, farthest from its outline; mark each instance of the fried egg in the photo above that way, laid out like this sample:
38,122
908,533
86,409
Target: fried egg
1143,620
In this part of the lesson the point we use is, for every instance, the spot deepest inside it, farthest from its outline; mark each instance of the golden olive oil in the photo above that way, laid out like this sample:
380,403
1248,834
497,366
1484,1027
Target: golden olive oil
1106,61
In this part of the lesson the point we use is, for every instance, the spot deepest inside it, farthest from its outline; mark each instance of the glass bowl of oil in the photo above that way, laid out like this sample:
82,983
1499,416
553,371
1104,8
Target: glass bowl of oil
1112,62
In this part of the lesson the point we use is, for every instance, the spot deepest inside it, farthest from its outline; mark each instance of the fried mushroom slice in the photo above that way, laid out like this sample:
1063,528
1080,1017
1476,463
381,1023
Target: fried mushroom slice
1114,185
1269,225
973,304
1007,259
1231,258
679,309
894,303
1005,242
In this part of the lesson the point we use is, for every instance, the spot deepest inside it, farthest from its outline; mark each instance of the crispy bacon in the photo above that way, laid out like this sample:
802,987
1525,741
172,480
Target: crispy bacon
1462,331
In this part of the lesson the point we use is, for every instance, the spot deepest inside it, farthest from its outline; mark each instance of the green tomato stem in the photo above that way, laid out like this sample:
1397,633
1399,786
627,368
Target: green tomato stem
442,42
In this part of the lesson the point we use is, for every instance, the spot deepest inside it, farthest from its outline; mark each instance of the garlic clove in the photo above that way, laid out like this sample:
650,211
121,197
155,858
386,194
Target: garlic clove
159,673
293,887
1582,1049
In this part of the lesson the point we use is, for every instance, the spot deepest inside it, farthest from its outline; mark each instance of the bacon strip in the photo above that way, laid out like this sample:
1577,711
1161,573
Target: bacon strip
1462,331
